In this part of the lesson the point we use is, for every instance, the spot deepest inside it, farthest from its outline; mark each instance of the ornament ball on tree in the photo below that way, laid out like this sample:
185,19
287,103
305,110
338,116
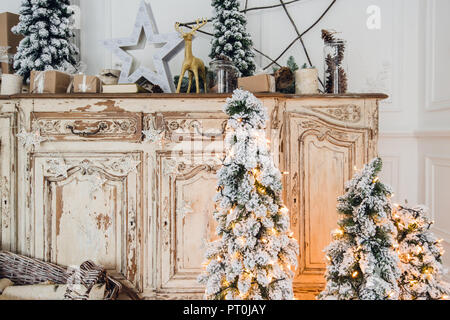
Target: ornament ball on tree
255,257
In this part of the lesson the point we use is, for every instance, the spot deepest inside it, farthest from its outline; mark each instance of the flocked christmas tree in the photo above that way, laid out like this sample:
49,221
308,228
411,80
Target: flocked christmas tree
362,262
230,36
420,256
256,254
46,29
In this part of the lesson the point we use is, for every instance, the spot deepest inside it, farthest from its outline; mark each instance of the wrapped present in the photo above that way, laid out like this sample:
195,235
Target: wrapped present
110,76
258,83
8,41
50,81
86,84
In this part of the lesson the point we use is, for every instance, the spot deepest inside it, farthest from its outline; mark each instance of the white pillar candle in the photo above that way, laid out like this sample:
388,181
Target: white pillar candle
11,84
306,81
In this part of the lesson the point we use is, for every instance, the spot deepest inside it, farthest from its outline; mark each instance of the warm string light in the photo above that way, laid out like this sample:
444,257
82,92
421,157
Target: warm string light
355,274
376,180
339,232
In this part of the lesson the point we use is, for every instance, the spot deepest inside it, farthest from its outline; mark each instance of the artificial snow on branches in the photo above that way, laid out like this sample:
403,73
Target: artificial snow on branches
420,256
256,254
362,263
230,36
45,26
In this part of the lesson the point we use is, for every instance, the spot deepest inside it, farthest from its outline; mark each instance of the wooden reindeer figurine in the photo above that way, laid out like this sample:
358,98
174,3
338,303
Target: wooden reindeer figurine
194,66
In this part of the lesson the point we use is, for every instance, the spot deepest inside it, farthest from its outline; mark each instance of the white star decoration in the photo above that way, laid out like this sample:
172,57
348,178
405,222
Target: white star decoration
58,168
151,135
29,139
173,43
128,165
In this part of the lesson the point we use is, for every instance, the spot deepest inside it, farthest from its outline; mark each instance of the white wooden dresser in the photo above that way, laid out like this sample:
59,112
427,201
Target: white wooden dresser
143,209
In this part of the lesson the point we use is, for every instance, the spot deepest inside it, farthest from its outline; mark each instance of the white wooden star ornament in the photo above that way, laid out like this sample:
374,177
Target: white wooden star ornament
30,139
173,43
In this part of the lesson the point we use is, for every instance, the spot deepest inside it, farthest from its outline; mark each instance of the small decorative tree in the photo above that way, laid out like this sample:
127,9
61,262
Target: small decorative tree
230,36
256,254
46,29
362,263
420,256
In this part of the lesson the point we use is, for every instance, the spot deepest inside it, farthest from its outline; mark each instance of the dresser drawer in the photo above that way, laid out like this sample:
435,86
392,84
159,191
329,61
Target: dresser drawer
123,126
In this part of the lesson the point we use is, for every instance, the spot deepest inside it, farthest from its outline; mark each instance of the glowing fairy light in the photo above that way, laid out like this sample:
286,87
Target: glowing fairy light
355,274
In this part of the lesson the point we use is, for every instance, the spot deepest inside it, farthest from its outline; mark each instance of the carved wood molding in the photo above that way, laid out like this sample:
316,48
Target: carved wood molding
114,168
346,113
124,126
188,127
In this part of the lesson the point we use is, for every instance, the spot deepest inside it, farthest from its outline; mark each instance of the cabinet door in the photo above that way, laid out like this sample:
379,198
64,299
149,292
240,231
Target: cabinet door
87,206
8,167
186,185
322,157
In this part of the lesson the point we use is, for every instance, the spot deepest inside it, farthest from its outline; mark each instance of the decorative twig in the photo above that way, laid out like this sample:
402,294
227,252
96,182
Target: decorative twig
298,38
304,32
210,34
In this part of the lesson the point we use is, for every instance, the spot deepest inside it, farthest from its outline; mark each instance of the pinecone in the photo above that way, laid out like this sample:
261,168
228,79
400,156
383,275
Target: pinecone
328,36
342,80
284,77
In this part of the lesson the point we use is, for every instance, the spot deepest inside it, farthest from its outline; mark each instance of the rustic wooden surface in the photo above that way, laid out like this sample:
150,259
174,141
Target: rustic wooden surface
149,224
191,96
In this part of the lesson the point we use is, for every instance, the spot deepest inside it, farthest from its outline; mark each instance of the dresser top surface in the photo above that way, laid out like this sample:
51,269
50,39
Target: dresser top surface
378,96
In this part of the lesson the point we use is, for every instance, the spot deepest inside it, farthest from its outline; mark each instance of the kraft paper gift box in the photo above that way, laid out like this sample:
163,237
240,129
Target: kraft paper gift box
9,39
50,81
86,84
258,83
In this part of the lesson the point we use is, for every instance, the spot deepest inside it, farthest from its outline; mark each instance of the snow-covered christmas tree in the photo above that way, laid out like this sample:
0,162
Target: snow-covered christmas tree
420,256
256,254
362,262
230,36
46,29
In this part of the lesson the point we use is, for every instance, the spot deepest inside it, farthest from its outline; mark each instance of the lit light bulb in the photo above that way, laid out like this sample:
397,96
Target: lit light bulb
328,258
376,180
390,294
291,234
285,173
445,297
284,210
355,274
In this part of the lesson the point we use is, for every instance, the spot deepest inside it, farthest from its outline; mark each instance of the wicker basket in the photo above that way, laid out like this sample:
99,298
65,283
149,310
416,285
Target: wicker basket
28,271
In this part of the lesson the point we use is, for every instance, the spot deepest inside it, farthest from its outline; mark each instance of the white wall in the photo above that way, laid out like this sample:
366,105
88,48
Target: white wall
407,58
